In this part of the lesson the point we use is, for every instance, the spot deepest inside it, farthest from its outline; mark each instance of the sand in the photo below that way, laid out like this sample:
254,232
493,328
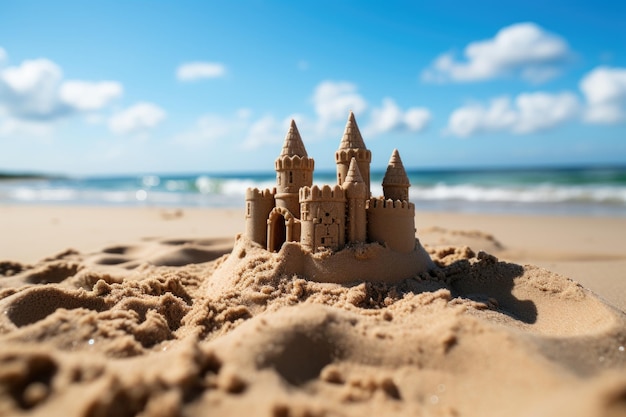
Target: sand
143,311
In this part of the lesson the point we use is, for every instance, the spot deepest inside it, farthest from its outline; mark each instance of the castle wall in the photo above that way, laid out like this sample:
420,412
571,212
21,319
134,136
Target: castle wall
259,204
322,217
392,223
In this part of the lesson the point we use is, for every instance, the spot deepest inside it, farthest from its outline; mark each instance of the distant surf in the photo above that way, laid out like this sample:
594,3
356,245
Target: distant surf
576,191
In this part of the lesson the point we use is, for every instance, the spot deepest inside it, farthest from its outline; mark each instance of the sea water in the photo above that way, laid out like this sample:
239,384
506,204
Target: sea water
591,191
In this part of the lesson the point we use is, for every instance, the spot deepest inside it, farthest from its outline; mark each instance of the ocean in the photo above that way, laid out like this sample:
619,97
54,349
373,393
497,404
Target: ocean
590,191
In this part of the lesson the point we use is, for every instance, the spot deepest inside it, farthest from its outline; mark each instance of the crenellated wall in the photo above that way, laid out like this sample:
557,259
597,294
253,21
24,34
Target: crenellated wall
322,217
259,204
392,223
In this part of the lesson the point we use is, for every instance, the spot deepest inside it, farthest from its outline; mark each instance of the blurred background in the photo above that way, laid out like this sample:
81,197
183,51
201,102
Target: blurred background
494,107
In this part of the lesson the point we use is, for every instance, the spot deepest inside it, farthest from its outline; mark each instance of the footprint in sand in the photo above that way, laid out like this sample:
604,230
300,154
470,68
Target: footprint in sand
37,303
166,252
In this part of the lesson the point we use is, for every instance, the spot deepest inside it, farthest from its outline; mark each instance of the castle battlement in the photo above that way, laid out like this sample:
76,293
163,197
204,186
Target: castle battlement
381,203
294,162
325,193
346,155
258,194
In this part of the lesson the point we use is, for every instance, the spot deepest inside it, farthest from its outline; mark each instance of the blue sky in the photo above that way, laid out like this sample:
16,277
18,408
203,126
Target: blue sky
158,87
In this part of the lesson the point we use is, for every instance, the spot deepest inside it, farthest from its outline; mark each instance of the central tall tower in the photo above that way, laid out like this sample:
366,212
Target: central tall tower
294,170
352,146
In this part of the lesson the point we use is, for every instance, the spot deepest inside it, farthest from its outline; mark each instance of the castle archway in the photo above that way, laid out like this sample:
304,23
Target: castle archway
280,225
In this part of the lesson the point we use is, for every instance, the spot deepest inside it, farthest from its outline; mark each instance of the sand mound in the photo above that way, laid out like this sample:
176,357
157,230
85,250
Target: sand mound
159,328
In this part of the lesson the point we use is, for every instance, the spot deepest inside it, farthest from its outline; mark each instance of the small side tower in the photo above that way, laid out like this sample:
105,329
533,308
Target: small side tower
294,170
396,182
352,146
259,204
356,214
391,219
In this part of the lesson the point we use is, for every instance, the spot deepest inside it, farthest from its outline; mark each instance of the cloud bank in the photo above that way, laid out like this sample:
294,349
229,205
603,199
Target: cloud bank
522,49
34,95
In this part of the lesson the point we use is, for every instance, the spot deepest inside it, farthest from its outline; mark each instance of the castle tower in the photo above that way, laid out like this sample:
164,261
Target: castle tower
356,194
352,146
259,204
294,169
396,182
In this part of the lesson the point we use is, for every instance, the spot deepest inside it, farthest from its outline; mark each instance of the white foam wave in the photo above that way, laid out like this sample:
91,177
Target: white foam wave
545,193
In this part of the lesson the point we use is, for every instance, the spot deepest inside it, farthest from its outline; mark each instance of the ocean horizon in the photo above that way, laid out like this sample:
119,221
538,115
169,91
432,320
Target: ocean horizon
586,191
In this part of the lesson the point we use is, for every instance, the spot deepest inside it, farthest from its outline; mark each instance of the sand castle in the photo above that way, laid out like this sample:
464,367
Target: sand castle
302,219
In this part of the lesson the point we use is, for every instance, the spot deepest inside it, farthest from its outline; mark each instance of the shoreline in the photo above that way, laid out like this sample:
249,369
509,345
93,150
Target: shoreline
589,250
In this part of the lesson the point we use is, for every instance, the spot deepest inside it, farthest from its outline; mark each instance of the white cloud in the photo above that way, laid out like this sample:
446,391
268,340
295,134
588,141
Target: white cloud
34,96
605,91
84,95
192,71
523,49
391,118
333,101
529,113
137,119
30,90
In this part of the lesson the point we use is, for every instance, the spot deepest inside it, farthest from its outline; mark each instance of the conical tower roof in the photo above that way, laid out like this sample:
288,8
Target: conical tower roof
352,138
395,175
354,174
293,144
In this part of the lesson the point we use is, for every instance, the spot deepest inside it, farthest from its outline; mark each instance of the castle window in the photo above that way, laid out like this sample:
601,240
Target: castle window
248,209
290,177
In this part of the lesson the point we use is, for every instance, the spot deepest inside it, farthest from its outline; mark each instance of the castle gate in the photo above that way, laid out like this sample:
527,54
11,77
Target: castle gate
280,228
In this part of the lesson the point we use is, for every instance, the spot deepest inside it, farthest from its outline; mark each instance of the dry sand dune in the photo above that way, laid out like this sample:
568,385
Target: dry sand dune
164,326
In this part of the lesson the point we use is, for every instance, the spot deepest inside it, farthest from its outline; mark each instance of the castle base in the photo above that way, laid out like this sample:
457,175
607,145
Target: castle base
371,262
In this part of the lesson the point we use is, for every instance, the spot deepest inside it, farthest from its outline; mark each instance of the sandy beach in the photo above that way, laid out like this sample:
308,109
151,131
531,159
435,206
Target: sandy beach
524,316
589,250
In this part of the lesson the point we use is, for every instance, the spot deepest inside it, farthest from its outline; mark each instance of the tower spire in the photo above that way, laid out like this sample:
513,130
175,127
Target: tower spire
293,144
352,138
354,175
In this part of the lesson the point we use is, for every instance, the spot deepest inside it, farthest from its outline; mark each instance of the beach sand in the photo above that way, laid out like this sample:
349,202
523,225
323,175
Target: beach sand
115,311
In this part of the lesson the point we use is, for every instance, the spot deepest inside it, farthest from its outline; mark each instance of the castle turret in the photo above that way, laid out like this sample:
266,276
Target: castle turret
356,195
352,146
396,182
259,204
294,170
